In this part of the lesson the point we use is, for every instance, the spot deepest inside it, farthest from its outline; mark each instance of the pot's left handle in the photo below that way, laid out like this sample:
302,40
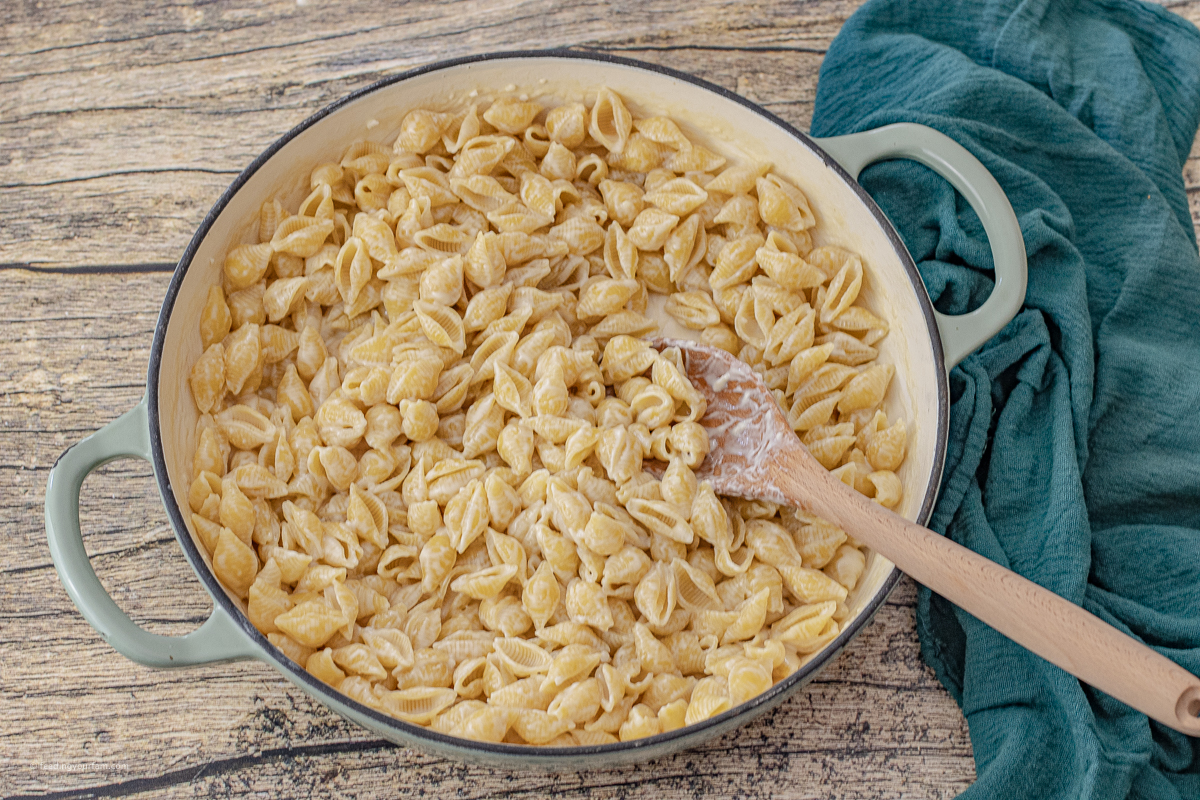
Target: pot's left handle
963,333
218,639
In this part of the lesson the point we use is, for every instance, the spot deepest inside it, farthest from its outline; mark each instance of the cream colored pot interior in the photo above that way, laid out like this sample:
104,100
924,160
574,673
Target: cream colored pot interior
717,122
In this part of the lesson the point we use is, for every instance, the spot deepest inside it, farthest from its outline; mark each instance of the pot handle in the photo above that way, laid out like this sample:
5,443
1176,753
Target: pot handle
218,639
960,334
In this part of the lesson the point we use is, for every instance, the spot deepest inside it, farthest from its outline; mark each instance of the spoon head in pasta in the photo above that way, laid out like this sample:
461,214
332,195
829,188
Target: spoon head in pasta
750,440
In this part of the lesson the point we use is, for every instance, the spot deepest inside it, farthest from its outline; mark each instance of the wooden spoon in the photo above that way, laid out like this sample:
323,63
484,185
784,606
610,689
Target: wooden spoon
756,455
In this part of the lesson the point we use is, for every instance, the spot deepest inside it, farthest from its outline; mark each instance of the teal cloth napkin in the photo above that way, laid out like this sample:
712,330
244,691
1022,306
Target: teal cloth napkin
1074,453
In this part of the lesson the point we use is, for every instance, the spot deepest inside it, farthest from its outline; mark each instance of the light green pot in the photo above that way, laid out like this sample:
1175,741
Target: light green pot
922,344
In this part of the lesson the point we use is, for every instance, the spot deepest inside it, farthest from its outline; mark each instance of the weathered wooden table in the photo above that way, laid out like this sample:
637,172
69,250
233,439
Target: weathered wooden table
120,124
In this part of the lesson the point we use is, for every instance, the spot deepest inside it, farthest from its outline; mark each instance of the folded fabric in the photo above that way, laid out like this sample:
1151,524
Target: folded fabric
1074,453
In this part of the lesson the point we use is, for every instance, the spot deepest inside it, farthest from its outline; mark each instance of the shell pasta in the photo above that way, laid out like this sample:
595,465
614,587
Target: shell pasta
428,407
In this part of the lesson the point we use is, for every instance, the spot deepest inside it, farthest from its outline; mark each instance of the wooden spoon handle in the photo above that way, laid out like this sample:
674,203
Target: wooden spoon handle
1054,628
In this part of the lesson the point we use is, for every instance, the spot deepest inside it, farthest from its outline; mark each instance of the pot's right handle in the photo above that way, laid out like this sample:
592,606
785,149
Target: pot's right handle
218,639
960,334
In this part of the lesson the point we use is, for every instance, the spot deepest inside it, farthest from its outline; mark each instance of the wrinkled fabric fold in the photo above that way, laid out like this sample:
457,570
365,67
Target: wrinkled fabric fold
1074,453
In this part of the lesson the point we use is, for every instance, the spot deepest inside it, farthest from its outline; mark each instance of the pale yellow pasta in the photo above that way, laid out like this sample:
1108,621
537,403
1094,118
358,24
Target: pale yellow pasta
322,667
866,389
236,511
505,615
695,310
678,196
709,698
207,529
247,264
650,229
428,415
311,623
585,603
234,562
521,657
215,319
887,488
301,236
419,704
246,307
207,379
511,115
539,727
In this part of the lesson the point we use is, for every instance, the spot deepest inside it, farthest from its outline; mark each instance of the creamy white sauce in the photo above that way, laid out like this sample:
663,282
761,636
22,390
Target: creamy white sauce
668,326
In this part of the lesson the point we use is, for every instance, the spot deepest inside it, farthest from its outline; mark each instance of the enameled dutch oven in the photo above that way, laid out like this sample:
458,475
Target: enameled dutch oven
922,344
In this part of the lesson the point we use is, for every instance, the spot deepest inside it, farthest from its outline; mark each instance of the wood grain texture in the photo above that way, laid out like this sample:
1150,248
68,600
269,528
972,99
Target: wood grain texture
120,125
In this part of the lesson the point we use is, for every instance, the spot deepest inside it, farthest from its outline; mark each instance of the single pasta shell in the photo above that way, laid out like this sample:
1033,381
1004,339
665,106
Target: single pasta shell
468,677
392,647
771,543
489,725
652,228
511,115
694,159
466,645
586,604
207,378
586,738
810,585
420,130
541,594
709,698
485,583
610,122
247,264
885,449
570,663
696,590
480,155
866,389
567,124
662,518
442,238
679,196
256,480
311,623
522,657
751,616
520,693
847,349
441,325
736,180
418,705
539,727
301,236
581,235
656,594
482,193
245,427
427,186
747,680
